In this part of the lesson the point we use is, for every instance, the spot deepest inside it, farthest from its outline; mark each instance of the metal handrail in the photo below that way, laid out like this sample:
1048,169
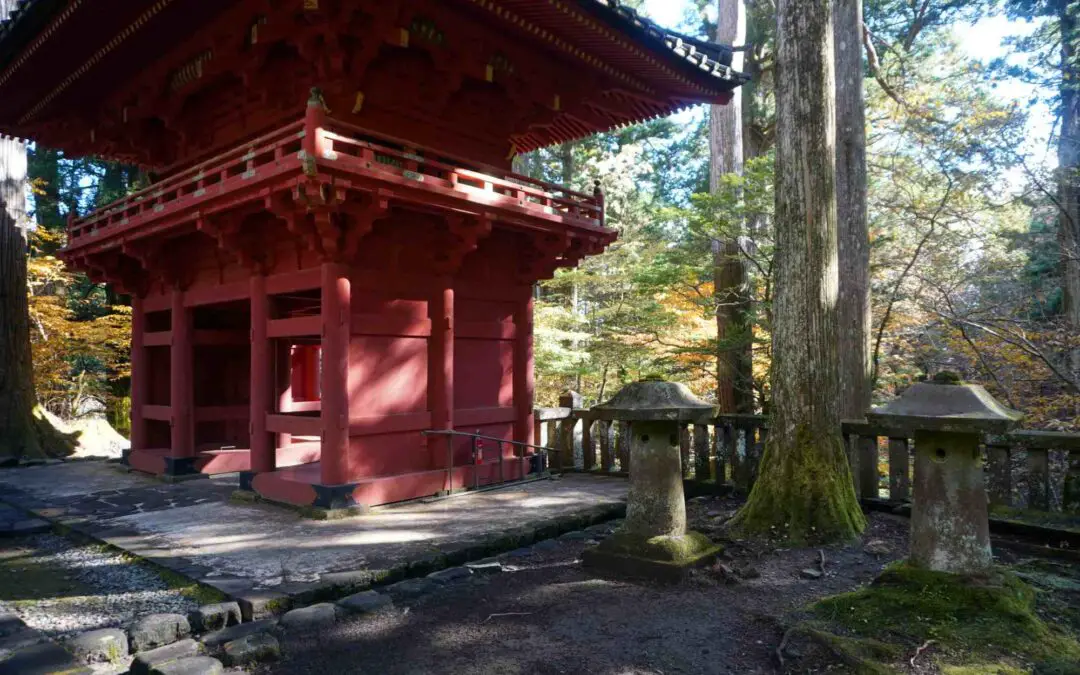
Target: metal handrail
450,434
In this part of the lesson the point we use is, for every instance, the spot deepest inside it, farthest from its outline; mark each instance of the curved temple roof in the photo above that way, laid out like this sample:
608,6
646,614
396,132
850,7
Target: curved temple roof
31,16
61,59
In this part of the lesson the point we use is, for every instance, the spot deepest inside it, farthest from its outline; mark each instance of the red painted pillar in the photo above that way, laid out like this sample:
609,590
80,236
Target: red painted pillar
263,450
140,375
181,385
336,333
441,393
283,375
524,379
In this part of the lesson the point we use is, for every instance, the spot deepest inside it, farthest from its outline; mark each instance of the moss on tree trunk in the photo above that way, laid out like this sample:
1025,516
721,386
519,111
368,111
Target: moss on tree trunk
804,491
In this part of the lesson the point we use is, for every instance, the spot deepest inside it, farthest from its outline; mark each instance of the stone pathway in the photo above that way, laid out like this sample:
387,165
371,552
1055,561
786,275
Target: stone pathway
257,549
17,523
60,587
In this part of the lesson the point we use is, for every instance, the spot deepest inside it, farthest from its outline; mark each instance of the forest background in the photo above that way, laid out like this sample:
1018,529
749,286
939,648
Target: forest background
965,259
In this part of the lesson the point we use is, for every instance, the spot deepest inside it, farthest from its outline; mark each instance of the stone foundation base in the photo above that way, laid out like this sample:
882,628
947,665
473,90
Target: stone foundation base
666,559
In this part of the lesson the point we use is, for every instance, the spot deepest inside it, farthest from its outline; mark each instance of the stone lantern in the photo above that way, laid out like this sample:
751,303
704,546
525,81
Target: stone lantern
653,541
950,530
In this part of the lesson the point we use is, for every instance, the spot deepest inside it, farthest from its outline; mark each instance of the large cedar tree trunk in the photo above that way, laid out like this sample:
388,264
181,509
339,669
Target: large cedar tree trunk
854,236
734,358
18,431
804,491
1069,182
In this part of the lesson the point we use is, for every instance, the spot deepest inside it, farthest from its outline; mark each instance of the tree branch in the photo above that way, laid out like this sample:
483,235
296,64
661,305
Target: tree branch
875,69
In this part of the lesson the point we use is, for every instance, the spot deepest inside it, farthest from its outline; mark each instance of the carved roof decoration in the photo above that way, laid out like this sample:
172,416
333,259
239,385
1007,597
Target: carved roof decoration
709,57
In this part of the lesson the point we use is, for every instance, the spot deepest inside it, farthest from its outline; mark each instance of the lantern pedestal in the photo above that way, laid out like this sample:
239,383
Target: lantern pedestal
653,542
950,528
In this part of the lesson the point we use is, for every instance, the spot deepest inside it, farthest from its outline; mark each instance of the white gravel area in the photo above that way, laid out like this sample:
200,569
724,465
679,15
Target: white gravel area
120,591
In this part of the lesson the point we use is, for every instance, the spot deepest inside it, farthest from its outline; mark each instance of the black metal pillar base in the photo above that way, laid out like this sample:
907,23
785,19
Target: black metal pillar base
333,497
246,478
180,469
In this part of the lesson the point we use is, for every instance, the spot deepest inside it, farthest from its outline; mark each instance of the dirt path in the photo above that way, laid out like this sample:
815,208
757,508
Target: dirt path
547,615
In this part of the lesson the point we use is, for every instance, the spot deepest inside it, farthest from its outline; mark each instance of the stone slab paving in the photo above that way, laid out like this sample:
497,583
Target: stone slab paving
193,528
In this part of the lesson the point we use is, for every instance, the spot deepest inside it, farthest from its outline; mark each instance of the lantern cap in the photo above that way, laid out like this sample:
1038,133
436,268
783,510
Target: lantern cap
945,405
653,399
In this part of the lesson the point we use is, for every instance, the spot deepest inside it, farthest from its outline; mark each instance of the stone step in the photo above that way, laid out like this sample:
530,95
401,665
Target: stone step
410,588
25,527
450,574
252,649
195,665
307,618
156,630
215,617
27,637
43,659
365,602
100,646
220,637
146,662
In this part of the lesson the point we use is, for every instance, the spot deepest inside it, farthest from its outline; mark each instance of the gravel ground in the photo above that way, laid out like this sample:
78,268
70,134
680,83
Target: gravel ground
546,615
62,588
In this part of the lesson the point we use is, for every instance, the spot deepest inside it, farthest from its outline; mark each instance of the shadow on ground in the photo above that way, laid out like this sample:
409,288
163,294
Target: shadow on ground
550,616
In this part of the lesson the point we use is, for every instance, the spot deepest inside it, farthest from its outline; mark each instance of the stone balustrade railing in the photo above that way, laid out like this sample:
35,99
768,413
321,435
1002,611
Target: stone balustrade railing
1028,469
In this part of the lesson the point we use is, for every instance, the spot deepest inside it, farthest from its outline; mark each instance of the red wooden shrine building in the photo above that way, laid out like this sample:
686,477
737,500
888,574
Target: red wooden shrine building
314,287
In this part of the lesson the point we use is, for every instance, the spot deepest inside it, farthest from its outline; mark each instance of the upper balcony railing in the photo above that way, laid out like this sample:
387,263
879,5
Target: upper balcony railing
358,148
345,148
189,185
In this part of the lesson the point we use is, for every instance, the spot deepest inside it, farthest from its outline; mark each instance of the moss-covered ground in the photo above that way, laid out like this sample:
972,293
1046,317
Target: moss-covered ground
1025,619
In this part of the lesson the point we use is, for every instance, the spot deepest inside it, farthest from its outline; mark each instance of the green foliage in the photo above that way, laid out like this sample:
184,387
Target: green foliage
81,330
605,323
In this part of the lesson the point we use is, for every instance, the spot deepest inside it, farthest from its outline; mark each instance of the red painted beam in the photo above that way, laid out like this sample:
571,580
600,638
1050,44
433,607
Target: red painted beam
296,425
301,326
159,413
220,413
472,417
398,326
389,424
158,338
486,330
219,338
212,295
